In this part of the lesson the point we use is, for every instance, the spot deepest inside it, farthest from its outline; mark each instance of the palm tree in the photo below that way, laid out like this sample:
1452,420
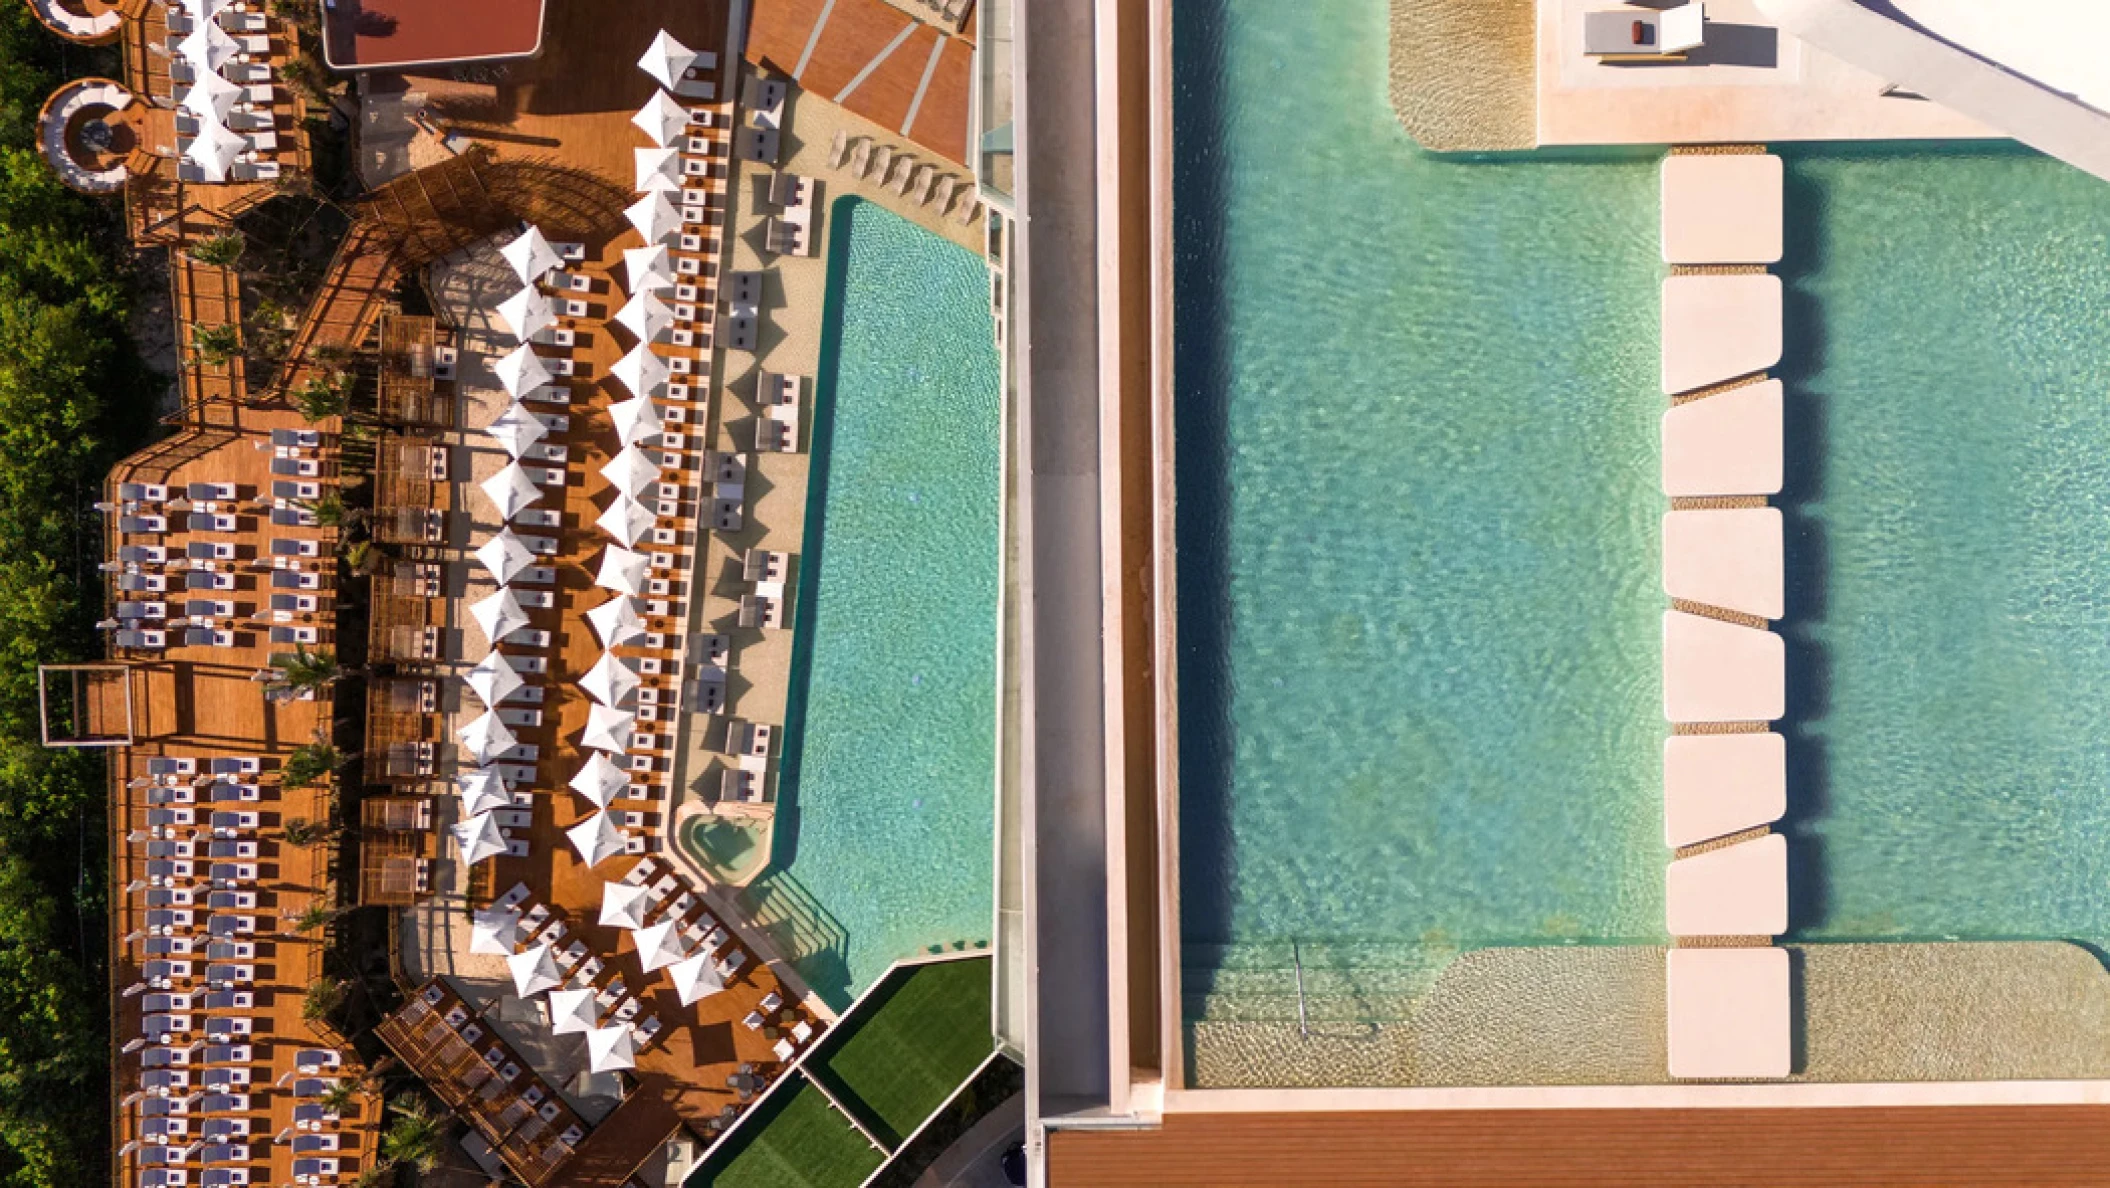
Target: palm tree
323,396
316,915
303,669
416,1135
322,998
329,511
309,763
375,1176
304,833
220,250
215,343
342,1096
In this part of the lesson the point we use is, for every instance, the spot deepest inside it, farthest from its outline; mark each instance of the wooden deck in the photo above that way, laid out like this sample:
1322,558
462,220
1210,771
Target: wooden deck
1786,1148
875,60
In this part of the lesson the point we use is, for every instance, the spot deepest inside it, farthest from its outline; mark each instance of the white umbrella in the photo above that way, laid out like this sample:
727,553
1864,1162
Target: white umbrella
663,118
504,556
624,906
632,471
649,267
596,838
627,520
635,419
609,681
534,971
696,978
527,313
600,780
511,490
641,371
531,255
495,932
654,217
493,679
486,738
667,60
214,149
479,838
517,428
623,571
657,946
572,1012
657,169
208,47
211,97
608,729
521,371
499,614
616,621
610,1049
645,316
482,790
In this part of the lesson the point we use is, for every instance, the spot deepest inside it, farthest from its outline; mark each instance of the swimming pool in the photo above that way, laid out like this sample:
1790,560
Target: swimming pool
886,799
1419,661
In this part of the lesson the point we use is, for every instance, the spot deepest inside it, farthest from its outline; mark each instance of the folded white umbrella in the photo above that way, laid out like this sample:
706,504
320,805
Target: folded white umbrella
609,681
493,679
209,47
654,217
504,556
482,790
531,255
214,149
632,471
527,313
600,780
657,169
696,978
616,621
610,1049
486,738
499,614
624,906
645,316
666,60
627,520
572,1012
663,118
517,429
511,490
479,838
596,838
211,97
641,371
657,946
495,931
623,571
649,267
534,971
635,419
608,729
521,370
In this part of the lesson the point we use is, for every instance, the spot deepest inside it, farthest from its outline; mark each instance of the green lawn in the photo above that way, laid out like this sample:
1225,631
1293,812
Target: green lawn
806,1145
913,1044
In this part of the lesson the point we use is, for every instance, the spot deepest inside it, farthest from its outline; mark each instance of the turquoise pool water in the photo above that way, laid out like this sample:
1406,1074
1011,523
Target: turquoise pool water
886,799
1418,532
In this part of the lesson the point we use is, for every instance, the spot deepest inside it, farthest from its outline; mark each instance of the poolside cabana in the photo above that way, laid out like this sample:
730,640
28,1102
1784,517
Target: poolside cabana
1726,557
1721,672
1715,785
1718,327
1729,1013
1739,890
1729,443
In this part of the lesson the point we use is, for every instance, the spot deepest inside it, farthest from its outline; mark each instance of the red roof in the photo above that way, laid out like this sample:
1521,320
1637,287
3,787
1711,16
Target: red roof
371,34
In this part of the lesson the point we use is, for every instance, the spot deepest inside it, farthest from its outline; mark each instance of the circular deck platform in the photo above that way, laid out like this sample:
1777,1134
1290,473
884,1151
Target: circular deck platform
86,131
89,22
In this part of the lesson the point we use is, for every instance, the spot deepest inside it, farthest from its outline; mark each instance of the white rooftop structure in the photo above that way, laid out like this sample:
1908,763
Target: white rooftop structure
479,838
504,556
600,779
1717,327
1718,784
498,614
572,1012
517,428
493,679
608,729
1739,890
485,738
531,255
1729,1012
534,971
1721,672
695,978
1730,557
1722,208
662,118
596,839
495,931
616,621
1729,443
623,570
527,313
510,490
482,789
610,681
610,1049
624,905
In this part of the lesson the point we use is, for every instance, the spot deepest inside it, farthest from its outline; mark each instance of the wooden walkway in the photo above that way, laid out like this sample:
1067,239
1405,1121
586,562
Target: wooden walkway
876,61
